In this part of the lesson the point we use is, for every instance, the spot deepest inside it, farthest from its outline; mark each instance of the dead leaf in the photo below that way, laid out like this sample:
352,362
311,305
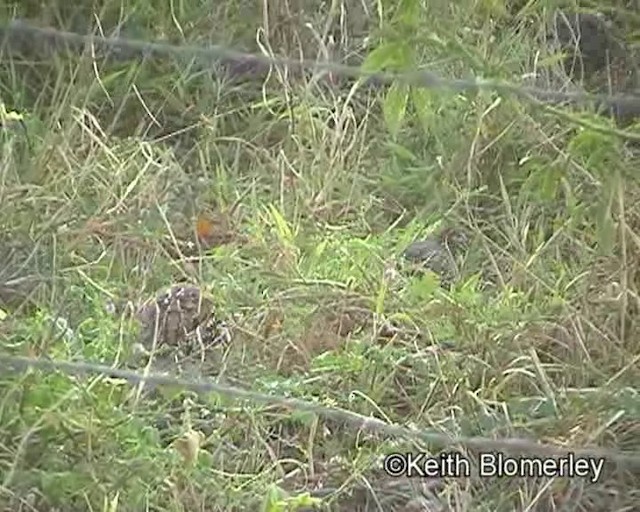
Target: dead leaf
273,323
188,446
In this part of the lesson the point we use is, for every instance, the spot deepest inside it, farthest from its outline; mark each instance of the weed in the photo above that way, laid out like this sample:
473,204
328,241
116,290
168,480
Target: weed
290,199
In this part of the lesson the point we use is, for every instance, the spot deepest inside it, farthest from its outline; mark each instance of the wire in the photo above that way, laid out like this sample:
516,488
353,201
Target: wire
18,31
628,460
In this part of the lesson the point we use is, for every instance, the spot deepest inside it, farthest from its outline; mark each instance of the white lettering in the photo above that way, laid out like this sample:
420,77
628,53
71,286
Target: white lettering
488,467
493,464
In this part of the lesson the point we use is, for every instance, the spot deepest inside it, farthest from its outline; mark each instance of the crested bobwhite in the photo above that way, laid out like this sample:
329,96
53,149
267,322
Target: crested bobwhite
437,253
597,56
179,316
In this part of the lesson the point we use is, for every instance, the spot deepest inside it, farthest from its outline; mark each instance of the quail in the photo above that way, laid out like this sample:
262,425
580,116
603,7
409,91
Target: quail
437,253
596,57
595,48
180,316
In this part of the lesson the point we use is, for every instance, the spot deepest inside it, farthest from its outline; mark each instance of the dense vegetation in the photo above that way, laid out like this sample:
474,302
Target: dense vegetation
289,197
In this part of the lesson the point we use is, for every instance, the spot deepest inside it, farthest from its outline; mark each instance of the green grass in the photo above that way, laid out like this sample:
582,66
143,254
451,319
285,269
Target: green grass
313,193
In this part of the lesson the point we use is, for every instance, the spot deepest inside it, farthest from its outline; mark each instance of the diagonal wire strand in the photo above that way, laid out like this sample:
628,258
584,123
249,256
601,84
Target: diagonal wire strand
621,459
17,29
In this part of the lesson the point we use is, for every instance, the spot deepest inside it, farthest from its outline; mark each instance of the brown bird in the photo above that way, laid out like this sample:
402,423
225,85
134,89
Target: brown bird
180,316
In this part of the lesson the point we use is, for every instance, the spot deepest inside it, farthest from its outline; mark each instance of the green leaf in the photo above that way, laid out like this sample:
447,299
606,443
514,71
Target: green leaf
543,181
391,55
380,57
302,502
273,500
595,149
550,182
395,107
605,225
423,289
8,116
401,152
305,417
423,106
277,500
407,14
